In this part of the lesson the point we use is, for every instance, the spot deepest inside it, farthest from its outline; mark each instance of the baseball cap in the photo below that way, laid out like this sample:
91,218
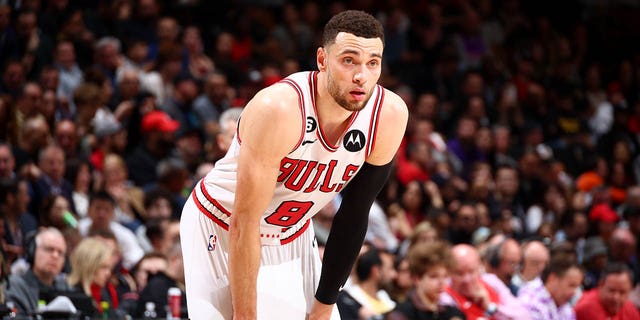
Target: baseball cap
602,212
158,121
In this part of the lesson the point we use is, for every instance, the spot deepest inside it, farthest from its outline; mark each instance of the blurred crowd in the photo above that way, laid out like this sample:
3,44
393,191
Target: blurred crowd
521,149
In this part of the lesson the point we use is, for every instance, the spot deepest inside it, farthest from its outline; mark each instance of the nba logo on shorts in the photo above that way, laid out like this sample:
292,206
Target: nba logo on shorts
211,245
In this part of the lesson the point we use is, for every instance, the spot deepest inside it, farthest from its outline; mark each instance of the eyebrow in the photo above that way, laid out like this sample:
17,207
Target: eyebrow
351,51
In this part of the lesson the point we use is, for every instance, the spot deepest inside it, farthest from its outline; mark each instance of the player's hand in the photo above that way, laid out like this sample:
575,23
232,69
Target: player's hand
320,311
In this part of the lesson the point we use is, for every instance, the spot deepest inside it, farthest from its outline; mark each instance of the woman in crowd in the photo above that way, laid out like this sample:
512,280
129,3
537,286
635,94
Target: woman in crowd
91,265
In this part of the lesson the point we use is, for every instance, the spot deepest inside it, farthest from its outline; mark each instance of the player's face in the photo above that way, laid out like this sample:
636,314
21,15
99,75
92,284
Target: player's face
353,66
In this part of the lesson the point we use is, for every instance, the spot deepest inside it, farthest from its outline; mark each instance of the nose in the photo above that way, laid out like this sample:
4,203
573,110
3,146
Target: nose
359,75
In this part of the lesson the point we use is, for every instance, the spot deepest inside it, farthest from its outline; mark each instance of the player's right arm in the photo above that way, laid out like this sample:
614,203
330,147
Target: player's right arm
269,129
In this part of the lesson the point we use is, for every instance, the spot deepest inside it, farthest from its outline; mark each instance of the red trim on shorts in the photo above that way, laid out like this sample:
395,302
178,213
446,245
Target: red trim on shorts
375,118
208,213
212,200
296,234
302,109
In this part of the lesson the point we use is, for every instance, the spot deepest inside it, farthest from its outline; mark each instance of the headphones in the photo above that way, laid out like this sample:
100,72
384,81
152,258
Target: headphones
30,247
494,254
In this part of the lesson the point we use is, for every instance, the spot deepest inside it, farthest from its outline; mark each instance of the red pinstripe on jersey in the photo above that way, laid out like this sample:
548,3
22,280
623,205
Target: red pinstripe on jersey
375,117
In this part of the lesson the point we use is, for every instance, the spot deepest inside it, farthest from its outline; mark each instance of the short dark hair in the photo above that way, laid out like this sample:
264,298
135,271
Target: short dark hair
7,187
616,268
358,23
559,265
366,262
101,195
424,256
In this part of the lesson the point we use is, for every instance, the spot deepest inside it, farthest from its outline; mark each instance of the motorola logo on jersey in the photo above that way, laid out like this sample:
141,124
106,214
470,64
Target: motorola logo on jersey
354,140
311,124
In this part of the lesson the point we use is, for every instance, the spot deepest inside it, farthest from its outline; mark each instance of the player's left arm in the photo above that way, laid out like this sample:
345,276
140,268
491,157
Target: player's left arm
350,222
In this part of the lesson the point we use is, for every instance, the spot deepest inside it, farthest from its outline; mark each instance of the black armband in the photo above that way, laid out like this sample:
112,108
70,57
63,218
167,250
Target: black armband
348,229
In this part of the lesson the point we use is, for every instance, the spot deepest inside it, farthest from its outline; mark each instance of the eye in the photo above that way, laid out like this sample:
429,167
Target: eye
348,60
373,63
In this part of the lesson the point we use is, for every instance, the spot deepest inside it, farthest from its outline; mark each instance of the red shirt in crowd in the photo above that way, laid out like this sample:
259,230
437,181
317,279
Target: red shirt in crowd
590,308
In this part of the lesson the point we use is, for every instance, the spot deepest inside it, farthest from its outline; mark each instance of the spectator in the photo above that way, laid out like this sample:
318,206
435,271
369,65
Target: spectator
158,207
403,283
368,297
66,136
46,253
428,263
535,258
51,180
78,173
465,223
503,259
13,78
478,295
149,265
129,199
594,260
7,162
548,297
18,222
179,106
159,284
121,281
228,124
214,100
158,134
70,73
611,298
91,266
101,216
505,198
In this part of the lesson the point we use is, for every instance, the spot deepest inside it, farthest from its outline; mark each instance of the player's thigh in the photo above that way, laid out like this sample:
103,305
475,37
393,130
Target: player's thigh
205,263
280,291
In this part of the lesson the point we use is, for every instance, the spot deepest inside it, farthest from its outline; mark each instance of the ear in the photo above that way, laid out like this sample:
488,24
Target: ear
321,59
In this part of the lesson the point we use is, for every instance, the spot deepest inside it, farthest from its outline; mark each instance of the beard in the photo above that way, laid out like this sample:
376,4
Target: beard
341,97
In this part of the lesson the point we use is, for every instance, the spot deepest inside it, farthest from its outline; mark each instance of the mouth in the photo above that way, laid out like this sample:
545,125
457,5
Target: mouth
357,94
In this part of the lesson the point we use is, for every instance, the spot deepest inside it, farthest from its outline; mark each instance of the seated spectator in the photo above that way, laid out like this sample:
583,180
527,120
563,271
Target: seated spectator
503,259
476,294
548,297
149,265
594,260
18,222
428,262
610,300
367,298
129,198
91,265
121,280
51,181
403,283
158,206
535,258
158,284
464,223
101,216
46,253
158,131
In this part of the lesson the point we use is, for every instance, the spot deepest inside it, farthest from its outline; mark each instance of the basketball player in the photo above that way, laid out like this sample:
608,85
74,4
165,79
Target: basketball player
249,249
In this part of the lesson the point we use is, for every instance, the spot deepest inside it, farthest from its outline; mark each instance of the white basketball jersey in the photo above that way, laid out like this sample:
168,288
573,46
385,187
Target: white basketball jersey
310,176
